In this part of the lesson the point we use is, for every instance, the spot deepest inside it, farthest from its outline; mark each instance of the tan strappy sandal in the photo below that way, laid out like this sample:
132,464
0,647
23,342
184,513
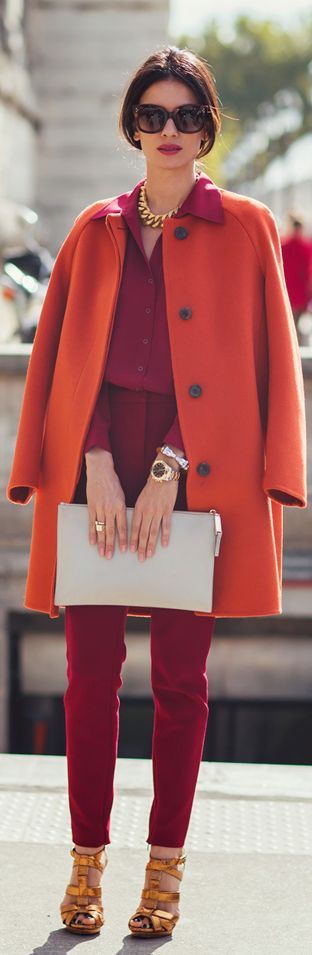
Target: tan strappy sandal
82,891
162,922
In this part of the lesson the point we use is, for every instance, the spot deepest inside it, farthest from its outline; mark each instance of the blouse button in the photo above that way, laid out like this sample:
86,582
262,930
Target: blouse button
150,281
145,340
140,367
147,311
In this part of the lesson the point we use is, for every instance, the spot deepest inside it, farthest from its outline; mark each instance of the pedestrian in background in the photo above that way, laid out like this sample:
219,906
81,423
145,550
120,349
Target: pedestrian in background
297,260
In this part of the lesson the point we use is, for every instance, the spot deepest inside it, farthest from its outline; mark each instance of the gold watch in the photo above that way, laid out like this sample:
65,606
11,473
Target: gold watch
161,471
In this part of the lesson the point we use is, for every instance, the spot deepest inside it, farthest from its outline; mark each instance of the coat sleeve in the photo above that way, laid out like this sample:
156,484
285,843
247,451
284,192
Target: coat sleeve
285,474
23,480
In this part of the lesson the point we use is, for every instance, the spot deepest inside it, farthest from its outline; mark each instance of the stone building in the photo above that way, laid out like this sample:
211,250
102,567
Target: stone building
19,124
81,55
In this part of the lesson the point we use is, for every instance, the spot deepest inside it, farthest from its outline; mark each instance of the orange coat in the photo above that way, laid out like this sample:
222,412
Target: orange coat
240,346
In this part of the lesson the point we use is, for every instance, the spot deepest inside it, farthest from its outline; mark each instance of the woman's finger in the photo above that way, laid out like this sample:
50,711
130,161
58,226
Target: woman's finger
166,529
144,535
153,535
110,533
92,530
101,535
122,528
137,517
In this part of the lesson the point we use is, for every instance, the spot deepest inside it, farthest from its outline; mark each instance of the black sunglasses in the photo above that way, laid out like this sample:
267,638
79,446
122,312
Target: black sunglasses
187,118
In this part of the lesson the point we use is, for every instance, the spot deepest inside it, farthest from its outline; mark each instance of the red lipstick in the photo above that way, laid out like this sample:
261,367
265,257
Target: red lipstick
169,149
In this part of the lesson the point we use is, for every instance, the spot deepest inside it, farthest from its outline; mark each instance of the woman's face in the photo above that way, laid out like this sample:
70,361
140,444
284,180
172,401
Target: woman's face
170,93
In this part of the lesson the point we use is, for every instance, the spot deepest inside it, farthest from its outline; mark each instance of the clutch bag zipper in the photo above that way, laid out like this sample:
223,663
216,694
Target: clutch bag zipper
218,530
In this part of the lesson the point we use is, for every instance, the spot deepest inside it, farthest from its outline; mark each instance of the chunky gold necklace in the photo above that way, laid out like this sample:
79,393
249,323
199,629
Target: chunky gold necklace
152,218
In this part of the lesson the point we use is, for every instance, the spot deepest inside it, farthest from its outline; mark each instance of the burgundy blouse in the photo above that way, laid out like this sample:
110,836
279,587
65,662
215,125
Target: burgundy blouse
139,354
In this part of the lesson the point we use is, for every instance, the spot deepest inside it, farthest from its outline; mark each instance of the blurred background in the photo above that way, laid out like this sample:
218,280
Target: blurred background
63,67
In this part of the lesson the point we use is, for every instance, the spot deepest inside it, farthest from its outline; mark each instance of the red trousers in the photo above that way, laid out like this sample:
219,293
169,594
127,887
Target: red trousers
96,650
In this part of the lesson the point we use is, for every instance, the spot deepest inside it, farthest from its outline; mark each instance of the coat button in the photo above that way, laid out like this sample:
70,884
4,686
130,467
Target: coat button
180,232
185,312
203,468
195,391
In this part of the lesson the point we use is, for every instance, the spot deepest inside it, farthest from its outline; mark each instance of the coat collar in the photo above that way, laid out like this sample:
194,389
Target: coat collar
204,200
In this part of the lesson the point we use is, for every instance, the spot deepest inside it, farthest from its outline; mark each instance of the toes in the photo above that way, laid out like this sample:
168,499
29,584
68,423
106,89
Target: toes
142,922
80,919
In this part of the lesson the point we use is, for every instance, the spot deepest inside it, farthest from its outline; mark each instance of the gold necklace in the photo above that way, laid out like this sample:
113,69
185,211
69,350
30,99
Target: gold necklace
152,218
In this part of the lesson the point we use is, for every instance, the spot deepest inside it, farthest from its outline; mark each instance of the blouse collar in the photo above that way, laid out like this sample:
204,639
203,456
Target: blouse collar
203,200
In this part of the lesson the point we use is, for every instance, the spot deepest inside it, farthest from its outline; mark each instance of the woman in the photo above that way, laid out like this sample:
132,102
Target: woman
101,399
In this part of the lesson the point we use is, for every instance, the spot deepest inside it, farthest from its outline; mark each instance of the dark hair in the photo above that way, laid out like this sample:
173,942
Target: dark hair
295,220
165,63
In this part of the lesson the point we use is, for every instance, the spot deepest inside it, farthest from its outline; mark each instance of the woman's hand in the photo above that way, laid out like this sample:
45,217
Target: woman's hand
106,502
153,508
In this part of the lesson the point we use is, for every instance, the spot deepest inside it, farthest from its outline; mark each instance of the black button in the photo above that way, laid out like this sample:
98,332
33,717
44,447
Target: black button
180,232
203,468
195,391
185,312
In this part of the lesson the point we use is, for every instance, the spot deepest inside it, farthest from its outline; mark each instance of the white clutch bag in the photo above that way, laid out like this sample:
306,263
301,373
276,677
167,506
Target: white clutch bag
179,576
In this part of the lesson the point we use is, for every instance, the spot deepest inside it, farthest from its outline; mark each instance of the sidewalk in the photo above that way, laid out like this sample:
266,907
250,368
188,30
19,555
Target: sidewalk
247,886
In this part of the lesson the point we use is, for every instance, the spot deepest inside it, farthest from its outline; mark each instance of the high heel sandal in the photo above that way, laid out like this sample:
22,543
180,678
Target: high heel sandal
82,891
163,922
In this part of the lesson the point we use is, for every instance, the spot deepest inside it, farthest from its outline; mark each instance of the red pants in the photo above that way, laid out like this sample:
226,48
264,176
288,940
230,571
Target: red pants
96,650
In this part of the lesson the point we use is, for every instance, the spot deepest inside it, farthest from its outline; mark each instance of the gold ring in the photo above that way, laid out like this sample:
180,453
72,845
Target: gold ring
99,525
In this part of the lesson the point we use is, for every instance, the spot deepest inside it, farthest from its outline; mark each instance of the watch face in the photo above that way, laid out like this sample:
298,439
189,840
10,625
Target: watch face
159,468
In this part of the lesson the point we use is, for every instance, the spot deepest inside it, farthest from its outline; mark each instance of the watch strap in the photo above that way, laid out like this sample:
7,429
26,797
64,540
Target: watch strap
183,462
